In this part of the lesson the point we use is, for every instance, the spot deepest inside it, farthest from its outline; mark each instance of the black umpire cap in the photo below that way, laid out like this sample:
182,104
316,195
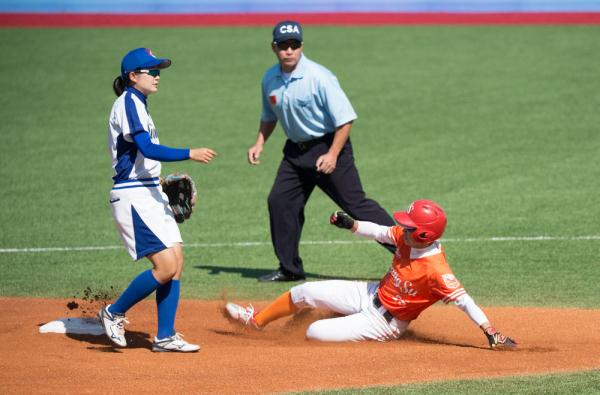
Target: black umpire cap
287,30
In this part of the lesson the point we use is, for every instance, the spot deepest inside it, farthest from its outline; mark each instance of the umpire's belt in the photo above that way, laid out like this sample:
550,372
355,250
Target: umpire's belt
306,145
377,303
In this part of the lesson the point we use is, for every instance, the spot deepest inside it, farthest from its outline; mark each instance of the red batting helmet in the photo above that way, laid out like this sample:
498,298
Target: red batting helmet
426,217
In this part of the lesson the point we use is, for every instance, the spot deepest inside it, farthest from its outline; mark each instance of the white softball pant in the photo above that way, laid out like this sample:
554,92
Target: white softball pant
144,219
354,299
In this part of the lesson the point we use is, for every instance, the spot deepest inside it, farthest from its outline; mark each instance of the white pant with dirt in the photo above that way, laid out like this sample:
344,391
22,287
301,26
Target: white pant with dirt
354,299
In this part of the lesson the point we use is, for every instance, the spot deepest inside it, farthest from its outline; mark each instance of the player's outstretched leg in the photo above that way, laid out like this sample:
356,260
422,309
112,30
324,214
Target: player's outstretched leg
243,314
280,307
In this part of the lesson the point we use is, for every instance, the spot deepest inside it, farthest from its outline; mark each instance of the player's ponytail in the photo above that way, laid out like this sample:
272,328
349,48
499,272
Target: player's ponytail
119,86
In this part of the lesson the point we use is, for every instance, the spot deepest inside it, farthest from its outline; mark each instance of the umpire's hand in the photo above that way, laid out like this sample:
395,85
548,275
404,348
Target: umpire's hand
254,153
326,163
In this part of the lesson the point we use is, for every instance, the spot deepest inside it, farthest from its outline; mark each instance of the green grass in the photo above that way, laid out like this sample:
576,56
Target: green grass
575,383
498,124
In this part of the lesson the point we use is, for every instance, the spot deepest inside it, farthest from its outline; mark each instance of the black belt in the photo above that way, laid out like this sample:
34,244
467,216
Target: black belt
305,145
377,303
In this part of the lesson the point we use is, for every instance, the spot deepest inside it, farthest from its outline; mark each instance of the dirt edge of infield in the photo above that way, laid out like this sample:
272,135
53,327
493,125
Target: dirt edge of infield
442,344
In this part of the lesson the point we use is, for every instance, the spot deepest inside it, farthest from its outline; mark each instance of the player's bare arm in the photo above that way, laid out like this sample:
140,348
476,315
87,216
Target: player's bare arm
327,163
202,155
264,132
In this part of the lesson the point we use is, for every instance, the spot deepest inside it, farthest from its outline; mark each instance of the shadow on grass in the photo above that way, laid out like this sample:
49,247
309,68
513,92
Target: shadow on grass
246,272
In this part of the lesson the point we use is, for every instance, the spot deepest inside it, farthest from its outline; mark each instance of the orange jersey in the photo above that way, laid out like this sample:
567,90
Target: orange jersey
417,279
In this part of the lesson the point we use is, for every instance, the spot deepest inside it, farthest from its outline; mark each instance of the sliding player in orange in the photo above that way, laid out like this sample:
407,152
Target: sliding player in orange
418,277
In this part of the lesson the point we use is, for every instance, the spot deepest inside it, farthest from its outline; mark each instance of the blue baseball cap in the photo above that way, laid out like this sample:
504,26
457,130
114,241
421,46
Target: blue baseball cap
142,58
287,30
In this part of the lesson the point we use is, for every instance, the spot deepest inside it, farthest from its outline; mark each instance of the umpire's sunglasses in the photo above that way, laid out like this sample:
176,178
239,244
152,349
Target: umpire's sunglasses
153,72
283,46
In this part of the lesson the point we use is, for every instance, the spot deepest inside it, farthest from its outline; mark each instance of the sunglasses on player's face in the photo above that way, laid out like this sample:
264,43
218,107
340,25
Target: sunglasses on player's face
153,72
283,46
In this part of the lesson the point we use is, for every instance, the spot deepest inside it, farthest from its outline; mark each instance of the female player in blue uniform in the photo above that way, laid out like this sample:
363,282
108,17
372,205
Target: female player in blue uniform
140,209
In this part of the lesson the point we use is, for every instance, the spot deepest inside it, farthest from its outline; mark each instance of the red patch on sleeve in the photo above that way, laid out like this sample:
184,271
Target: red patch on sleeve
273,99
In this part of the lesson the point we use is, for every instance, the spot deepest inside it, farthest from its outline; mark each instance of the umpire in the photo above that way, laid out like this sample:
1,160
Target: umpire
316,117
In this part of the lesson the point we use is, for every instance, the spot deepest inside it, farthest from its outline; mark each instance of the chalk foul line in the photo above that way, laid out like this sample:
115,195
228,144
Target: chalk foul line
248,244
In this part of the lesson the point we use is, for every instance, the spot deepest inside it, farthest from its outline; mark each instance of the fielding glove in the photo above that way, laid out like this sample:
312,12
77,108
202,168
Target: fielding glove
341,220
181,191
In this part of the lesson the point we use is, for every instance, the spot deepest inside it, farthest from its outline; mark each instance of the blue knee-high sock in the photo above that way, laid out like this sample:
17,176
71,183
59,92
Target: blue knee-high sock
167,299
141,286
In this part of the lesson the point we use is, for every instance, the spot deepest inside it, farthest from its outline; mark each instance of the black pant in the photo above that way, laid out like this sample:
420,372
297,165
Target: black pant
295,181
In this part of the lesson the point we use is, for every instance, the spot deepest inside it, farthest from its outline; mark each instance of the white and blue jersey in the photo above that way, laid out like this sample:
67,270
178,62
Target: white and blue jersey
129,115
309,104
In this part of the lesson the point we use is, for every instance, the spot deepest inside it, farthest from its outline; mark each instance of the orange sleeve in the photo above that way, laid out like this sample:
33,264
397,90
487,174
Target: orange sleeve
446,285
396,233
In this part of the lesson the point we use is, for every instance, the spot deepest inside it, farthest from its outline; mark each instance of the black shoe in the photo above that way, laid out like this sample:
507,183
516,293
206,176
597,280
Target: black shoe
278,275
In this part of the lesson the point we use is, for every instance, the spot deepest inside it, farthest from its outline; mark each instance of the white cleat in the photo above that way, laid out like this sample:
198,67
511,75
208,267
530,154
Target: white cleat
114,326
243,314
174,343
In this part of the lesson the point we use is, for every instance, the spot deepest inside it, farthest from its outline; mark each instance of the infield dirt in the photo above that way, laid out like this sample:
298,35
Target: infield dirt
441,344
